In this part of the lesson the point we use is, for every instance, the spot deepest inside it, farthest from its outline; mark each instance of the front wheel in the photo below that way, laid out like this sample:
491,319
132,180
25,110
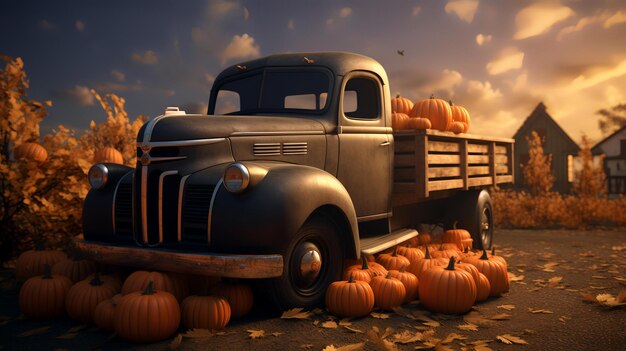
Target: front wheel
311,261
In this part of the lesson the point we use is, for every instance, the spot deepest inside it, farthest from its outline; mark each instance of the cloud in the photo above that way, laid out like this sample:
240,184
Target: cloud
464,9
118,75
46,25
241,47
209,79
197,35
580,25
538,19
222,7
246,14
148,57
345,12
510,59
477,90
80,25
483,39
290,24
618,18
443,84
107,87
599,76
330,21
81,95
416,10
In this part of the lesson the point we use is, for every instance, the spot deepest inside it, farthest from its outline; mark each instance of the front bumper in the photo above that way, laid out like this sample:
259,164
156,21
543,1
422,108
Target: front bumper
221,265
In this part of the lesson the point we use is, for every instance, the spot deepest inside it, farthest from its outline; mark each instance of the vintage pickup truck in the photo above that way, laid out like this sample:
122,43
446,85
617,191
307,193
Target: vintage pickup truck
295,169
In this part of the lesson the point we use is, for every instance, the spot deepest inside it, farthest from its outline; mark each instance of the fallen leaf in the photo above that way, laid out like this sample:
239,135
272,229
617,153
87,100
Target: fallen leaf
77,328
468,327
345,322
296,313
255,334
380,315
531,310
451,337
407,337
198,333
354,330
511,339
618,247
434,324
329,325
554,281
507,307
306,346
33,332
176,342
380,339
67,336
598,277
515,278
564,319
350,347
500,317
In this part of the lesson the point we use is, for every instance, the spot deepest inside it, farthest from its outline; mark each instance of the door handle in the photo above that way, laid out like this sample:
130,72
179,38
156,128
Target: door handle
385,143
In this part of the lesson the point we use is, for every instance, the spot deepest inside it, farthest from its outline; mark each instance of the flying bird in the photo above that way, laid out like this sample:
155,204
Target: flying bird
400,52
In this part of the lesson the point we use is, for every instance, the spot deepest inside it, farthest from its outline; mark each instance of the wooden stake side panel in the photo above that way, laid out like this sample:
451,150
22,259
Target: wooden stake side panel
427,161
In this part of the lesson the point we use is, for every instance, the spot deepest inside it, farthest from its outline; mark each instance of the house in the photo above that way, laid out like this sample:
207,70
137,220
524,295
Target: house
614,149
556,142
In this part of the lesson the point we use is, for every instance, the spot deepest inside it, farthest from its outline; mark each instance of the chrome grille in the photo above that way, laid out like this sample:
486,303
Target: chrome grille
195,217
278,149
295,148
266,149
124,210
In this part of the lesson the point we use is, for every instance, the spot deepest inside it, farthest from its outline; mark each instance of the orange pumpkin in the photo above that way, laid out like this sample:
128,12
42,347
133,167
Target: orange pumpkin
470,268
205,312
447,289
457,236
413,254
494,270
31,263
30,151
500,259
43,297
238,295
483,288
138,281
410,282
352,298
419,123
426,263
76,270
147,316
436,110
108,155
108,279
460,114
400,121
445,253
84,296
362,272
401,105
458,127
393,260
104,314
389,292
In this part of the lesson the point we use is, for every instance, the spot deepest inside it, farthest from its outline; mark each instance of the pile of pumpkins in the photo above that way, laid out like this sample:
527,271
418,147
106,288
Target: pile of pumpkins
145,307
429,113
35,152
446,278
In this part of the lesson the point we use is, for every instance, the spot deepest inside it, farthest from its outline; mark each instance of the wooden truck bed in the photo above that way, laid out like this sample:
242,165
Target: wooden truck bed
431,164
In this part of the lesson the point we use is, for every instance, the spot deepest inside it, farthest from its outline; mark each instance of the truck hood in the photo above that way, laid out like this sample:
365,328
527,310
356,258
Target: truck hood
189,127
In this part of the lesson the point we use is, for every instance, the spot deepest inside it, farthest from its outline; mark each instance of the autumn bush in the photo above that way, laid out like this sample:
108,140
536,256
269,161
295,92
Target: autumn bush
587,206
41,202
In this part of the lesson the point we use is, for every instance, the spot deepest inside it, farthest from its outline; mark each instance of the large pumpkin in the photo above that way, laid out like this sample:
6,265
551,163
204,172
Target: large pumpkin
238,295
31,263
76,270
436,110
85,295
108,155
410,282
393,260
138,281
352,298
460,114
494,270
447,289
30,151
389,292
401,105
147,316
205,312
43,297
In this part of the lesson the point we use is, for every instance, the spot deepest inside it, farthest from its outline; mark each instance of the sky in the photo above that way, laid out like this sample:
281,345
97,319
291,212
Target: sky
498,59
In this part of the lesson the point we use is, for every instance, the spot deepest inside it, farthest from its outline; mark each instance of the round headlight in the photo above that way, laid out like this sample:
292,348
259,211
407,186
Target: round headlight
236,178
98,176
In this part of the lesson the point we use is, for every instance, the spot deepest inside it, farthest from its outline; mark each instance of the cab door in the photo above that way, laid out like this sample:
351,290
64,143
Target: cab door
365,146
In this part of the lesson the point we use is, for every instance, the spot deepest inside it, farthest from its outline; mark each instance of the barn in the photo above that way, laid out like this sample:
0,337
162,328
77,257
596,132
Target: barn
556,142
614,149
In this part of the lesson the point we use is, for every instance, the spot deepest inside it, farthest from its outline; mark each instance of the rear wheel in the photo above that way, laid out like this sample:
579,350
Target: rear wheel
475,214
311,261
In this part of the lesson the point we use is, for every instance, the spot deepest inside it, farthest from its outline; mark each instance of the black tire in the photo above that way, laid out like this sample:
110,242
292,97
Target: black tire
475,214
292,290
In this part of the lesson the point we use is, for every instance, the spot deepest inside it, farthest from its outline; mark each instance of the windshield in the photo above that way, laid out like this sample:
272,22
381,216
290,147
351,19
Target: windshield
274,91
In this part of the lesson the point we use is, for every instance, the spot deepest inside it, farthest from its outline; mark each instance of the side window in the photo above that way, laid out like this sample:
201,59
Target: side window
227,102
361,98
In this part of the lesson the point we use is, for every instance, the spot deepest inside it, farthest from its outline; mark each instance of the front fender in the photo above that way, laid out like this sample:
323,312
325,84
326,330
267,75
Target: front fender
265,216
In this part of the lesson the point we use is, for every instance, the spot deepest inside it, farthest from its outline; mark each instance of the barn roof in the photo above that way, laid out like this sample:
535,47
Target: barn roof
596,150
540,113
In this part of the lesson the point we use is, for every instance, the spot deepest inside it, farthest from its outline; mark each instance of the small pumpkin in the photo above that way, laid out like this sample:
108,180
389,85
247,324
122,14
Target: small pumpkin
351,298
445,253
413,254
74,269
104,314
389,292
84,296
460,114
205,312
108,155
399,121
31,263
458,127
43,297
494,270
424,238
436,110
500,259
138,281
30,151
410,282
447,290
147,316
483,288
362,272
426,263
238,295
393,260
401,105
419,123
457,236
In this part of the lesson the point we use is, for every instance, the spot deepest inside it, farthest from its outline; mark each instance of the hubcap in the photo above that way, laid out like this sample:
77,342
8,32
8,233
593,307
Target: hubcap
485,229
308,259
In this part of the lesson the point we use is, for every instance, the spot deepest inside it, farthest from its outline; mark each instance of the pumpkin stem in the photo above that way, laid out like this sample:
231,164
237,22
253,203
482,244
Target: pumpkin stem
451,264
395,252
454,224
47,271
484,256
149,289
450,102
397,96
466,250
365,265
96,280
493,251
403,268
427,256
388,276
351,279
432,96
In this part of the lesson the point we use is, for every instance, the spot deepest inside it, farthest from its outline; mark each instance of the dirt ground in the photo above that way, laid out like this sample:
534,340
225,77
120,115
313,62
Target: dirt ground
544,309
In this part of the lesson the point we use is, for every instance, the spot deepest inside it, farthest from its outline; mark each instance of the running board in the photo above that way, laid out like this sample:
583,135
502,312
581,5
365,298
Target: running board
376,244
